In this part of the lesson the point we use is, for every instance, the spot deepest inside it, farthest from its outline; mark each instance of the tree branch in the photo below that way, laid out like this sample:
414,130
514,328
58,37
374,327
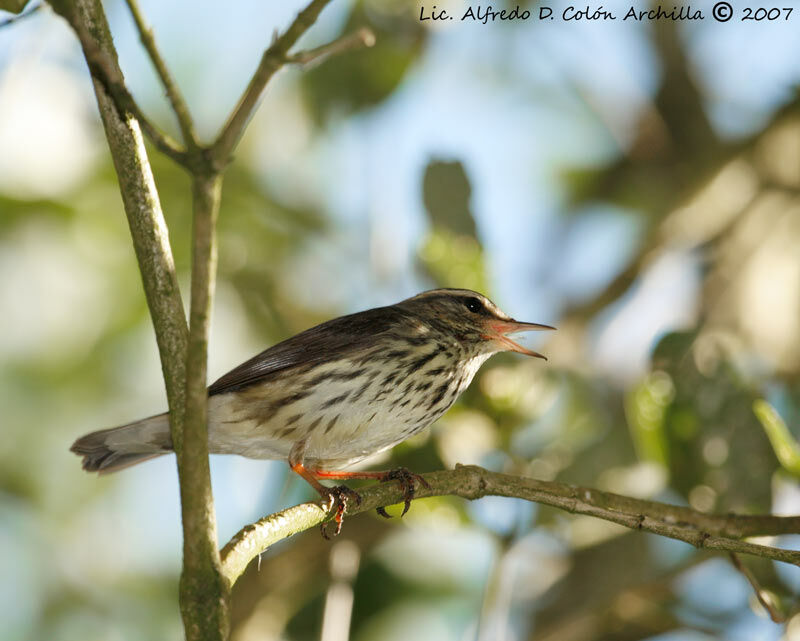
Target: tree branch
204,589
273,59
204,593
714,532
179,106
204,596
142,206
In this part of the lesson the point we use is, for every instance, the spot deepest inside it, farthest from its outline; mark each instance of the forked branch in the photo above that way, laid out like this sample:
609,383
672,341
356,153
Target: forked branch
273,59
197,157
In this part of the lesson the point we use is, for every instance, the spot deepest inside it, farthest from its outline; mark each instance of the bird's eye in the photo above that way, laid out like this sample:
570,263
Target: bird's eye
473,304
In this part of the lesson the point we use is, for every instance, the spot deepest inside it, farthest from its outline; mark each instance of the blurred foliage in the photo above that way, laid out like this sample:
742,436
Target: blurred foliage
446,193
713,442
451,253
699,423
785,445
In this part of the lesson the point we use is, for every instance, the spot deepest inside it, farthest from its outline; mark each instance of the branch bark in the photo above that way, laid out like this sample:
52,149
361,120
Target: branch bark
713,532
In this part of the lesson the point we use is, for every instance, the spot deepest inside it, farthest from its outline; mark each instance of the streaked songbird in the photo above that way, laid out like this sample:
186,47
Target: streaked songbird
337,393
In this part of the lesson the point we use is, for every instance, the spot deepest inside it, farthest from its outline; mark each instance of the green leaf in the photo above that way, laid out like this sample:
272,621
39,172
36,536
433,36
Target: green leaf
446,192
646,407
786,447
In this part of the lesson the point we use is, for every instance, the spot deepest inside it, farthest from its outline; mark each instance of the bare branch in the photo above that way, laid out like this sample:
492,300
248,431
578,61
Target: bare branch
714,532
763,597
179,105
364,37
273,59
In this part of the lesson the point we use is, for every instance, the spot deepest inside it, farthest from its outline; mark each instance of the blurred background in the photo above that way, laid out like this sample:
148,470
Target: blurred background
636,185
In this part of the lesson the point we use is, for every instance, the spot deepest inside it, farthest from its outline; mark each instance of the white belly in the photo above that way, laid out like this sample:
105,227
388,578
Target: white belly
341,421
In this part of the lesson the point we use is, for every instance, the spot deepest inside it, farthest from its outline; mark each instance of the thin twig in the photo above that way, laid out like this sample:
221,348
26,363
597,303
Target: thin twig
108,74
273,59
761,595
179,105
20,16
364,37
714,532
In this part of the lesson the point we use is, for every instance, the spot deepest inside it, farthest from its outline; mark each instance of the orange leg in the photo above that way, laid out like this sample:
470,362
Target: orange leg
400,474
309,476
334,498
344,476
339,495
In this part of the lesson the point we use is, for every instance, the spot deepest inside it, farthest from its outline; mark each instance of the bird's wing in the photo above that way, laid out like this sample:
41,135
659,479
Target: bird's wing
326,342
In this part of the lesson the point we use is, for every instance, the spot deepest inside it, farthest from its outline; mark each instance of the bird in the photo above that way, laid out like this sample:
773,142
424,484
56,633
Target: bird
337,393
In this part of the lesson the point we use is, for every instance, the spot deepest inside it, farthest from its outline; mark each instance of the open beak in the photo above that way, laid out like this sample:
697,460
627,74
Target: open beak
498,331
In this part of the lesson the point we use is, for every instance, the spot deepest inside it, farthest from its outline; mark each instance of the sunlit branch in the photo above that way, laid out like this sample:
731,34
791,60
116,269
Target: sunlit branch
713,532
179,105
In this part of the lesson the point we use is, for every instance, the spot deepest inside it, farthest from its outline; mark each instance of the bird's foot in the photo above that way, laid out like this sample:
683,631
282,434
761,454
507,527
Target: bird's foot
336,500
406,480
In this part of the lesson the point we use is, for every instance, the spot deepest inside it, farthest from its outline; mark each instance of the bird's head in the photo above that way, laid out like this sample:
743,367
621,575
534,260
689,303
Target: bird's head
472,319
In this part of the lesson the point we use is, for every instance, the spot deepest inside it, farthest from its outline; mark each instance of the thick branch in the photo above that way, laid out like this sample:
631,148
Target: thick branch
273,59
179,106
715,532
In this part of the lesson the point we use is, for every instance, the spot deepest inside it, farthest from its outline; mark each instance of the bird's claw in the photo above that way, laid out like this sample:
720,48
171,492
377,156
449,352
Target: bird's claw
406,480
337,500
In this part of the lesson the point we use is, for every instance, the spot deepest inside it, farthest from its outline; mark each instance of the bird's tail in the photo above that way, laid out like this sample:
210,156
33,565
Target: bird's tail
120,447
